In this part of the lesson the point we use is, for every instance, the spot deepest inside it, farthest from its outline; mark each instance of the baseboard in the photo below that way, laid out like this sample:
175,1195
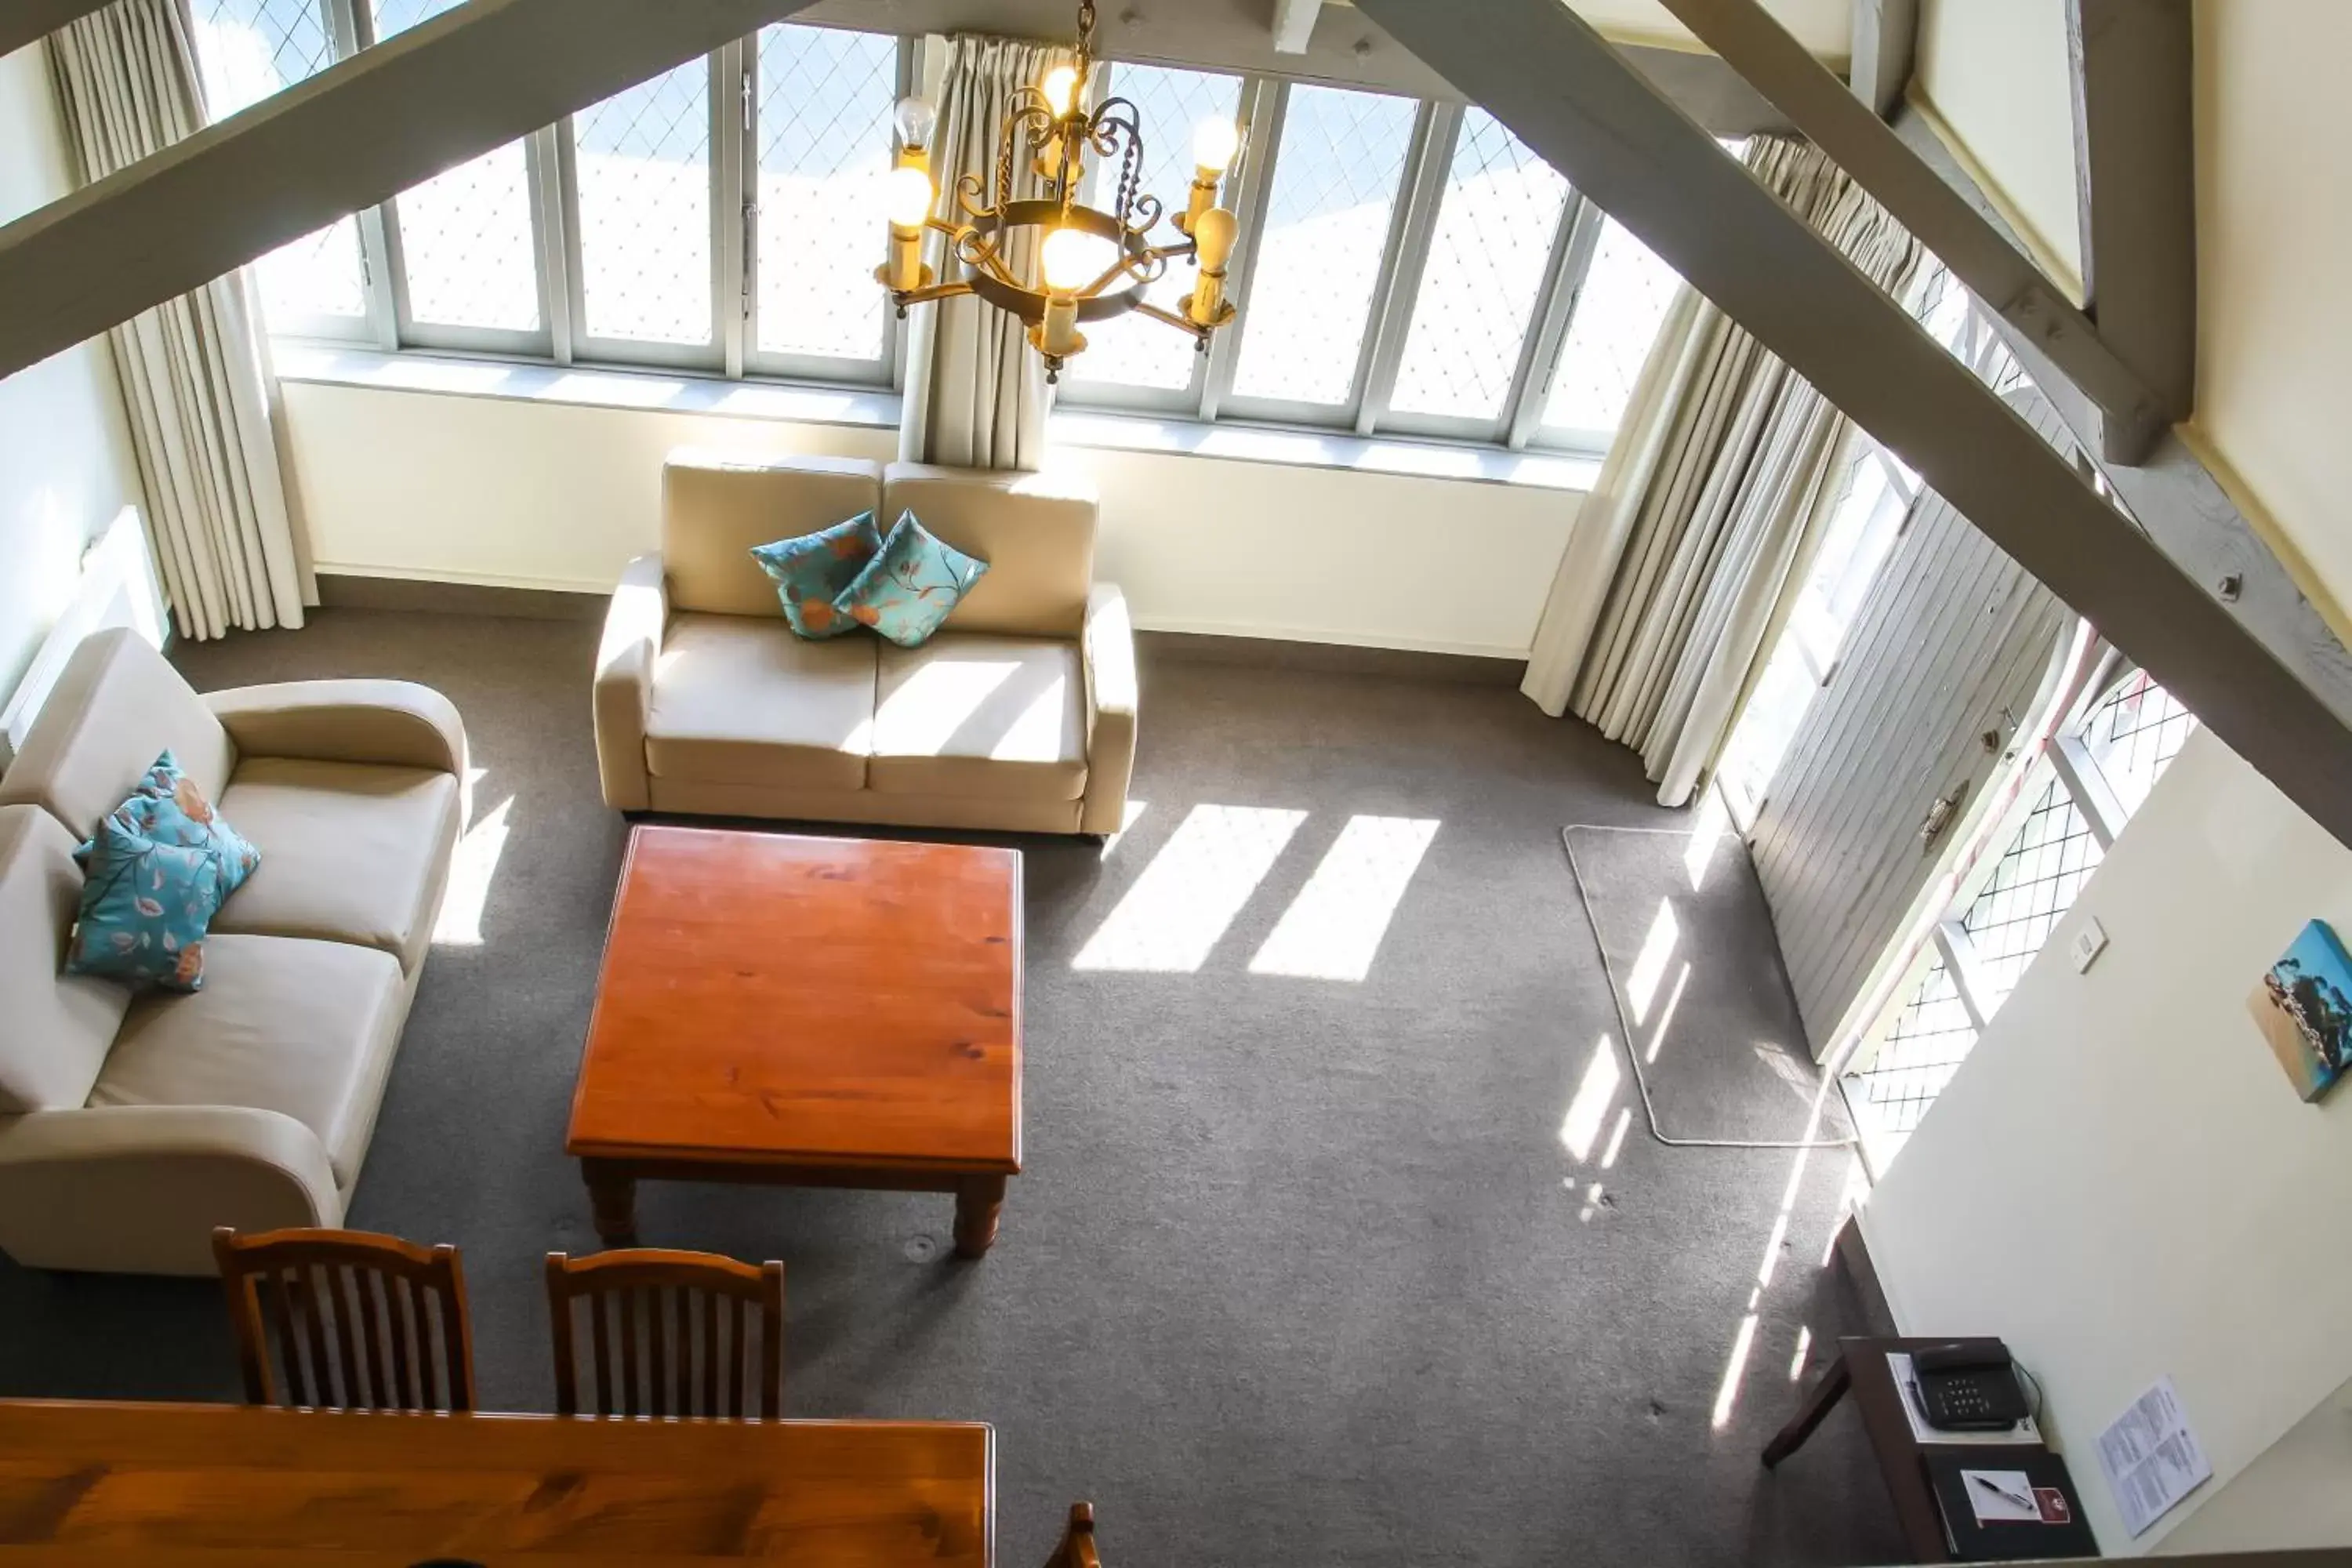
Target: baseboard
1336,658
414,596
1861,1275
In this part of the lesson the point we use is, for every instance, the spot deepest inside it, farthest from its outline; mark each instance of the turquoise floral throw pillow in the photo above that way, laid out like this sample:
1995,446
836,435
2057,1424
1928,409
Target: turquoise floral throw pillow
169,808
908,590
144,910
811,571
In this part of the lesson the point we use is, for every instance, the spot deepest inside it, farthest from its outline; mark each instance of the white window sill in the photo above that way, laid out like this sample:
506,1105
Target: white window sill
878,408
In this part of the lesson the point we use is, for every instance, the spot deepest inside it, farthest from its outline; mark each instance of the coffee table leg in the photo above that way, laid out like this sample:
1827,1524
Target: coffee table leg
978,1199
613,1196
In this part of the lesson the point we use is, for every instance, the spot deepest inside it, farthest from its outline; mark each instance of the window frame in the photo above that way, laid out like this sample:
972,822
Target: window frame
552,164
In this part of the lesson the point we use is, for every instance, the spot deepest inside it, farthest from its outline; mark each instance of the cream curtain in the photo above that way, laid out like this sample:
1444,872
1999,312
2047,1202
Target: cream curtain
975,390
1689,553
196,372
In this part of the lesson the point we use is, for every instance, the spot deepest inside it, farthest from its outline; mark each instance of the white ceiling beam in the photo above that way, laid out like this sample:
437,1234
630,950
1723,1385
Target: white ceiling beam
1293,25
1885,39
1554,81
1996,271
357,134
25,21
2136,181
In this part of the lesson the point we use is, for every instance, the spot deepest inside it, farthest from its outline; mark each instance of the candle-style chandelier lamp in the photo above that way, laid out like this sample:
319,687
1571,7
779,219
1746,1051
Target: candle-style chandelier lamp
1090,264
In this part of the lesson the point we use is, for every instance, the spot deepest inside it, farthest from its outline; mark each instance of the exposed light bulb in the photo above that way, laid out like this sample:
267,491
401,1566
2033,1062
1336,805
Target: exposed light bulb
1060,88
1212,237
1214,142
1071,258
915,119
908,200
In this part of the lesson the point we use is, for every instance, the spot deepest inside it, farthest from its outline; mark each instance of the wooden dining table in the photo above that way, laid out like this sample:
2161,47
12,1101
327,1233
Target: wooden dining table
84,1482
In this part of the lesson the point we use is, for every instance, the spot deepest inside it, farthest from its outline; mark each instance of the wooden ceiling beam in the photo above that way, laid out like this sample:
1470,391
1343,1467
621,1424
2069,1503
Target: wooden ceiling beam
2135,179
357,134
1850,131
1886,41
1548,77
25,22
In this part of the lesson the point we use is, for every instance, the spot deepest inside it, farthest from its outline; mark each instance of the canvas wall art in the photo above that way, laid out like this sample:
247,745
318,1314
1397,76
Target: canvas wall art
2304,1007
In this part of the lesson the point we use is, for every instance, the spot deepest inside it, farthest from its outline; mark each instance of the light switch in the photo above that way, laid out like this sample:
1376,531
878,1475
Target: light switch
2088,943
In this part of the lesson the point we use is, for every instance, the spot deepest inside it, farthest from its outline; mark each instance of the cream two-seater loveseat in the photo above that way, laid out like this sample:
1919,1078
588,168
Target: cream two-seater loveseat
1018,714
129,1126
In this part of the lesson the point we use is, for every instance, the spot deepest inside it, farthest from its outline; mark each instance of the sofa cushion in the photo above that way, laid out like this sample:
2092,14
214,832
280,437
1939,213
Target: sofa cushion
984,717
55,1028
745,702
303,1028
717,506
811,570
911,585
349,852
117,704
1036,531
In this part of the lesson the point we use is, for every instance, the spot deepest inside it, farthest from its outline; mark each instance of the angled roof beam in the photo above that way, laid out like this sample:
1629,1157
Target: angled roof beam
25,21
358,133
1841,125
1886,37
2135,177
1548,77
1293,23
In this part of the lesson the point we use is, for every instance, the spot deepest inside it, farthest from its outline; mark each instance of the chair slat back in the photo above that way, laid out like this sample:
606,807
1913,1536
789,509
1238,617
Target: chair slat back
689,1333
343,1320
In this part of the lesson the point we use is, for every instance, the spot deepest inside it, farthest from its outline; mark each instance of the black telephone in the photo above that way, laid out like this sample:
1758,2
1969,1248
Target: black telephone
1968,1387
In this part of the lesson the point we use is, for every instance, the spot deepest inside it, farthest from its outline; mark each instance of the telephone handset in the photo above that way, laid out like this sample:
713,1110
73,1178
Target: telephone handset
1968,1387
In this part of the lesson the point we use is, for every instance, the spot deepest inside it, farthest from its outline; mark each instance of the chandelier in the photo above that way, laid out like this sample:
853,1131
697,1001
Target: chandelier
1090,264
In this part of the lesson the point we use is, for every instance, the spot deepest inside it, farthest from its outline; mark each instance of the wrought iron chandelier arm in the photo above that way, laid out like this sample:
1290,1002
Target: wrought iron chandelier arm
1190,329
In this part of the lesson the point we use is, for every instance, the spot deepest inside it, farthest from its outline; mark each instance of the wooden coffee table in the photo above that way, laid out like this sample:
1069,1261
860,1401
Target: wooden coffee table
805,1012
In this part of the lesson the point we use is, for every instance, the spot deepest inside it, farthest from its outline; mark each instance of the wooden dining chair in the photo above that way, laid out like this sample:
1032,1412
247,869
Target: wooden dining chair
1078,1547
359,1321
693,1313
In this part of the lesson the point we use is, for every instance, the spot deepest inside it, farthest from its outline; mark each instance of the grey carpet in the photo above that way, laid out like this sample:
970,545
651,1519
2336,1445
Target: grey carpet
1300,1271
1707,1014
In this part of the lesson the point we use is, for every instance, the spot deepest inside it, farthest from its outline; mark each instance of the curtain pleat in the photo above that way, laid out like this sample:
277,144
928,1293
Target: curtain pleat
1689,553
195,373
975,390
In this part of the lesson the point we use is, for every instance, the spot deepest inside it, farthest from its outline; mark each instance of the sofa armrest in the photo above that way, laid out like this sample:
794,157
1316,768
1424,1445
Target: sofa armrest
625,682
137,1189
394,723
1107,649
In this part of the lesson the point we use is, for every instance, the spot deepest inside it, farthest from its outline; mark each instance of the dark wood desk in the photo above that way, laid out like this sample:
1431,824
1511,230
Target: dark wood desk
99,1481
1860,1369
805,1012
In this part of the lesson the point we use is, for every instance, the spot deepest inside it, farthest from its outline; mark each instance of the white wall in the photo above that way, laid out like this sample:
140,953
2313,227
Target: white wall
550,494
66,462
2120,1182
1995,73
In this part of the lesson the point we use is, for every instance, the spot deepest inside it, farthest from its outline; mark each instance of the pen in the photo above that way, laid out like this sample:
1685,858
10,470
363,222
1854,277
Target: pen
2000,1492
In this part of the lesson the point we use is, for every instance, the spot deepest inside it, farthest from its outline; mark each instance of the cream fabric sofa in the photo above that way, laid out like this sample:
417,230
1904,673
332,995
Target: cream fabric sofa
1018,714
129,1126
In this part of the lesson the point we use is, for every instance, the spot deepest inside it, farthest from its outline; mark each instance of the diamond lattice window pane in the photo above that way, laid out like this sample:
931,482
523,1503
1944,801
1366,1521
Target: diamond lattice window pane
1627,295
1930,1040
1494,230
2133,735
245,51
1318,257
1135,350
466,244
399,16
825,162
644,162
2032,887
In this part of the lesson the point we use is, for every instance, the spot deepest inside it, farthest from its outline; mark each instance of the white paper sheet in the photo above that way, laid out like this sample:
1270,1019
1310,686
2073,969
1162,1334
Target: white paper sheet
2001,1497
1907,1382
2151,1458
